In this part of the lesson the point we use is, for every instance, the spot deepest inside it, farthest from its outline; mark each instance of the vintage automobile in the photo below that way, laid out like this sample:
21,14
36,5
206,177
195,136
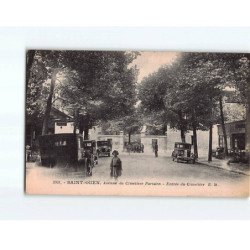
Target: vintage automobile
61,149
103,148
182,153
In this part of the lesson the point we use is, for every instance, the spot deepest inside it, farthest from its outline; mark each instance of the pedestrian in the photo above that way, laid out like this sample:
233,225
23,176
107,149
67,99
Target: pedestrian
156,149
129,148
88,161
28,153
115,165
142,148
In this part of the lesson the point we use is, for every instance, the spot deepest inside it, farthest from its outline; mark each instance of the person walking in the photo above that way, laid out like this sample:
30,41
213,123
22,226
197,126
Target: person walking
156,150
115,165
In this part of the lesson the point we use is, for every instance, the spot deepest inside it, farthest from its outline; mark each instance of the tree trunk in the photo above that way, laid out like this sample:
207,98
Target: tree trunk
210,143
49,103
194,126
223,126
86,134
195,140
76,121
129,137
29,61
183,137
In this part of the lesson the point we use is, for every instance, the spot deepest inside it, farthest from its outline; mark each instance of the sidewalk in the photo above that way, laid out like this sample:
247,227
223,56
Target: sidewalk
239,168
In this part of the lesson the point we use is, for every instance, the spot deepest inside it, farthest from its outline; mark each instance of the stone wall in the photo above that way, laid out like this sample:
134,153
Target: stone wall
202,139
147,141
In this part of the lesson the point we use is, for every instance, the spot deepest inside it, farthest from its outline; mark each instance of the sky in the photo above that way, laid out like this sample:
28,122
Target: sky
148,62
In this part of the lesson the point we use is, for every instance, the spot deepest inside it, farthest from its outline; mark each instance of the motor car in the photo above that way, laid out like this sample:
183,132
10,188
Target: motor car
103,148
183,153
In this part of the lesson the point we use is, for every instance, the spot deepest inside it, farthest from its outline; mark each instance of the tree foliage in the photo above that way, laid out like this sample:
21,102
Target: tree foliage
101,84
191,92
129,124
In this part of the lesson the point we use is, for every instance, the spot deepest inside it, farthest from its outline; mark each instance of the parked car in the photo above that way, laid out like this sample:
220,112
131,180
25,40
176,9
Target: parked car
103,148
182,153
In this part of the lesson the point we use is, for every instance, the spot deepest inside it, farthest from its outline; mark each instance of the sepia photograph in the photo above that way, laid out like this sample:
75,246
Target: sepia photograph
137,123
125,120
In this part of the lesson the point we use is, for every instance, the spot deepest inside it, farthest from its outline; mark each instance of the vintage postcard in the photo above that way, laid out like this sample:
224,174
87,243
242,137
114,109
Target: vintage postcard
137,123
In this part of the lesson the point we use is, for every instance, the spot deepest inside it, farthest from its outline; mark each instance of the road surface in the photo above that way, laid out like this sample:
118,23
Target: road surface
139,166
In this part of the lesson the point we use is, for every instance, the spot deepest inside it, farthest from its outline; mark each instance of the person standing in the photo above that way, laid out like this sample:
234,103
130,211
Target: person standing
88,163
115,165
156,149
129,148
142,148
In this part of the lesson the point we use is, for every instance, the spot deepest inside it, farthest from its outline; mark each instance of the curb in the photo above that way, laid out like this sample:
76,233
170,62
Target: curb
232,171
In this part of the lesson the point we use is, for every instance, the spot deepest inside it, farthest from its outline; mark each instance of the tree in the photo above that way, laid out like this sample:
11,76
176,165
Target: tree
159,95
131,124
49,103
243,80
36,94
178,92
192,91
196,93
41,71
248,122
185,94
30,56
101,84
227,71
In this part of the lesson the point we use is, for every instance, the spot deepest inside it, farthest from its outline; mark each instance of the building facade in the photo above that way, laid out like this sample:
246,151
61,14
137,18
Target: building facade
236,135
58,121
